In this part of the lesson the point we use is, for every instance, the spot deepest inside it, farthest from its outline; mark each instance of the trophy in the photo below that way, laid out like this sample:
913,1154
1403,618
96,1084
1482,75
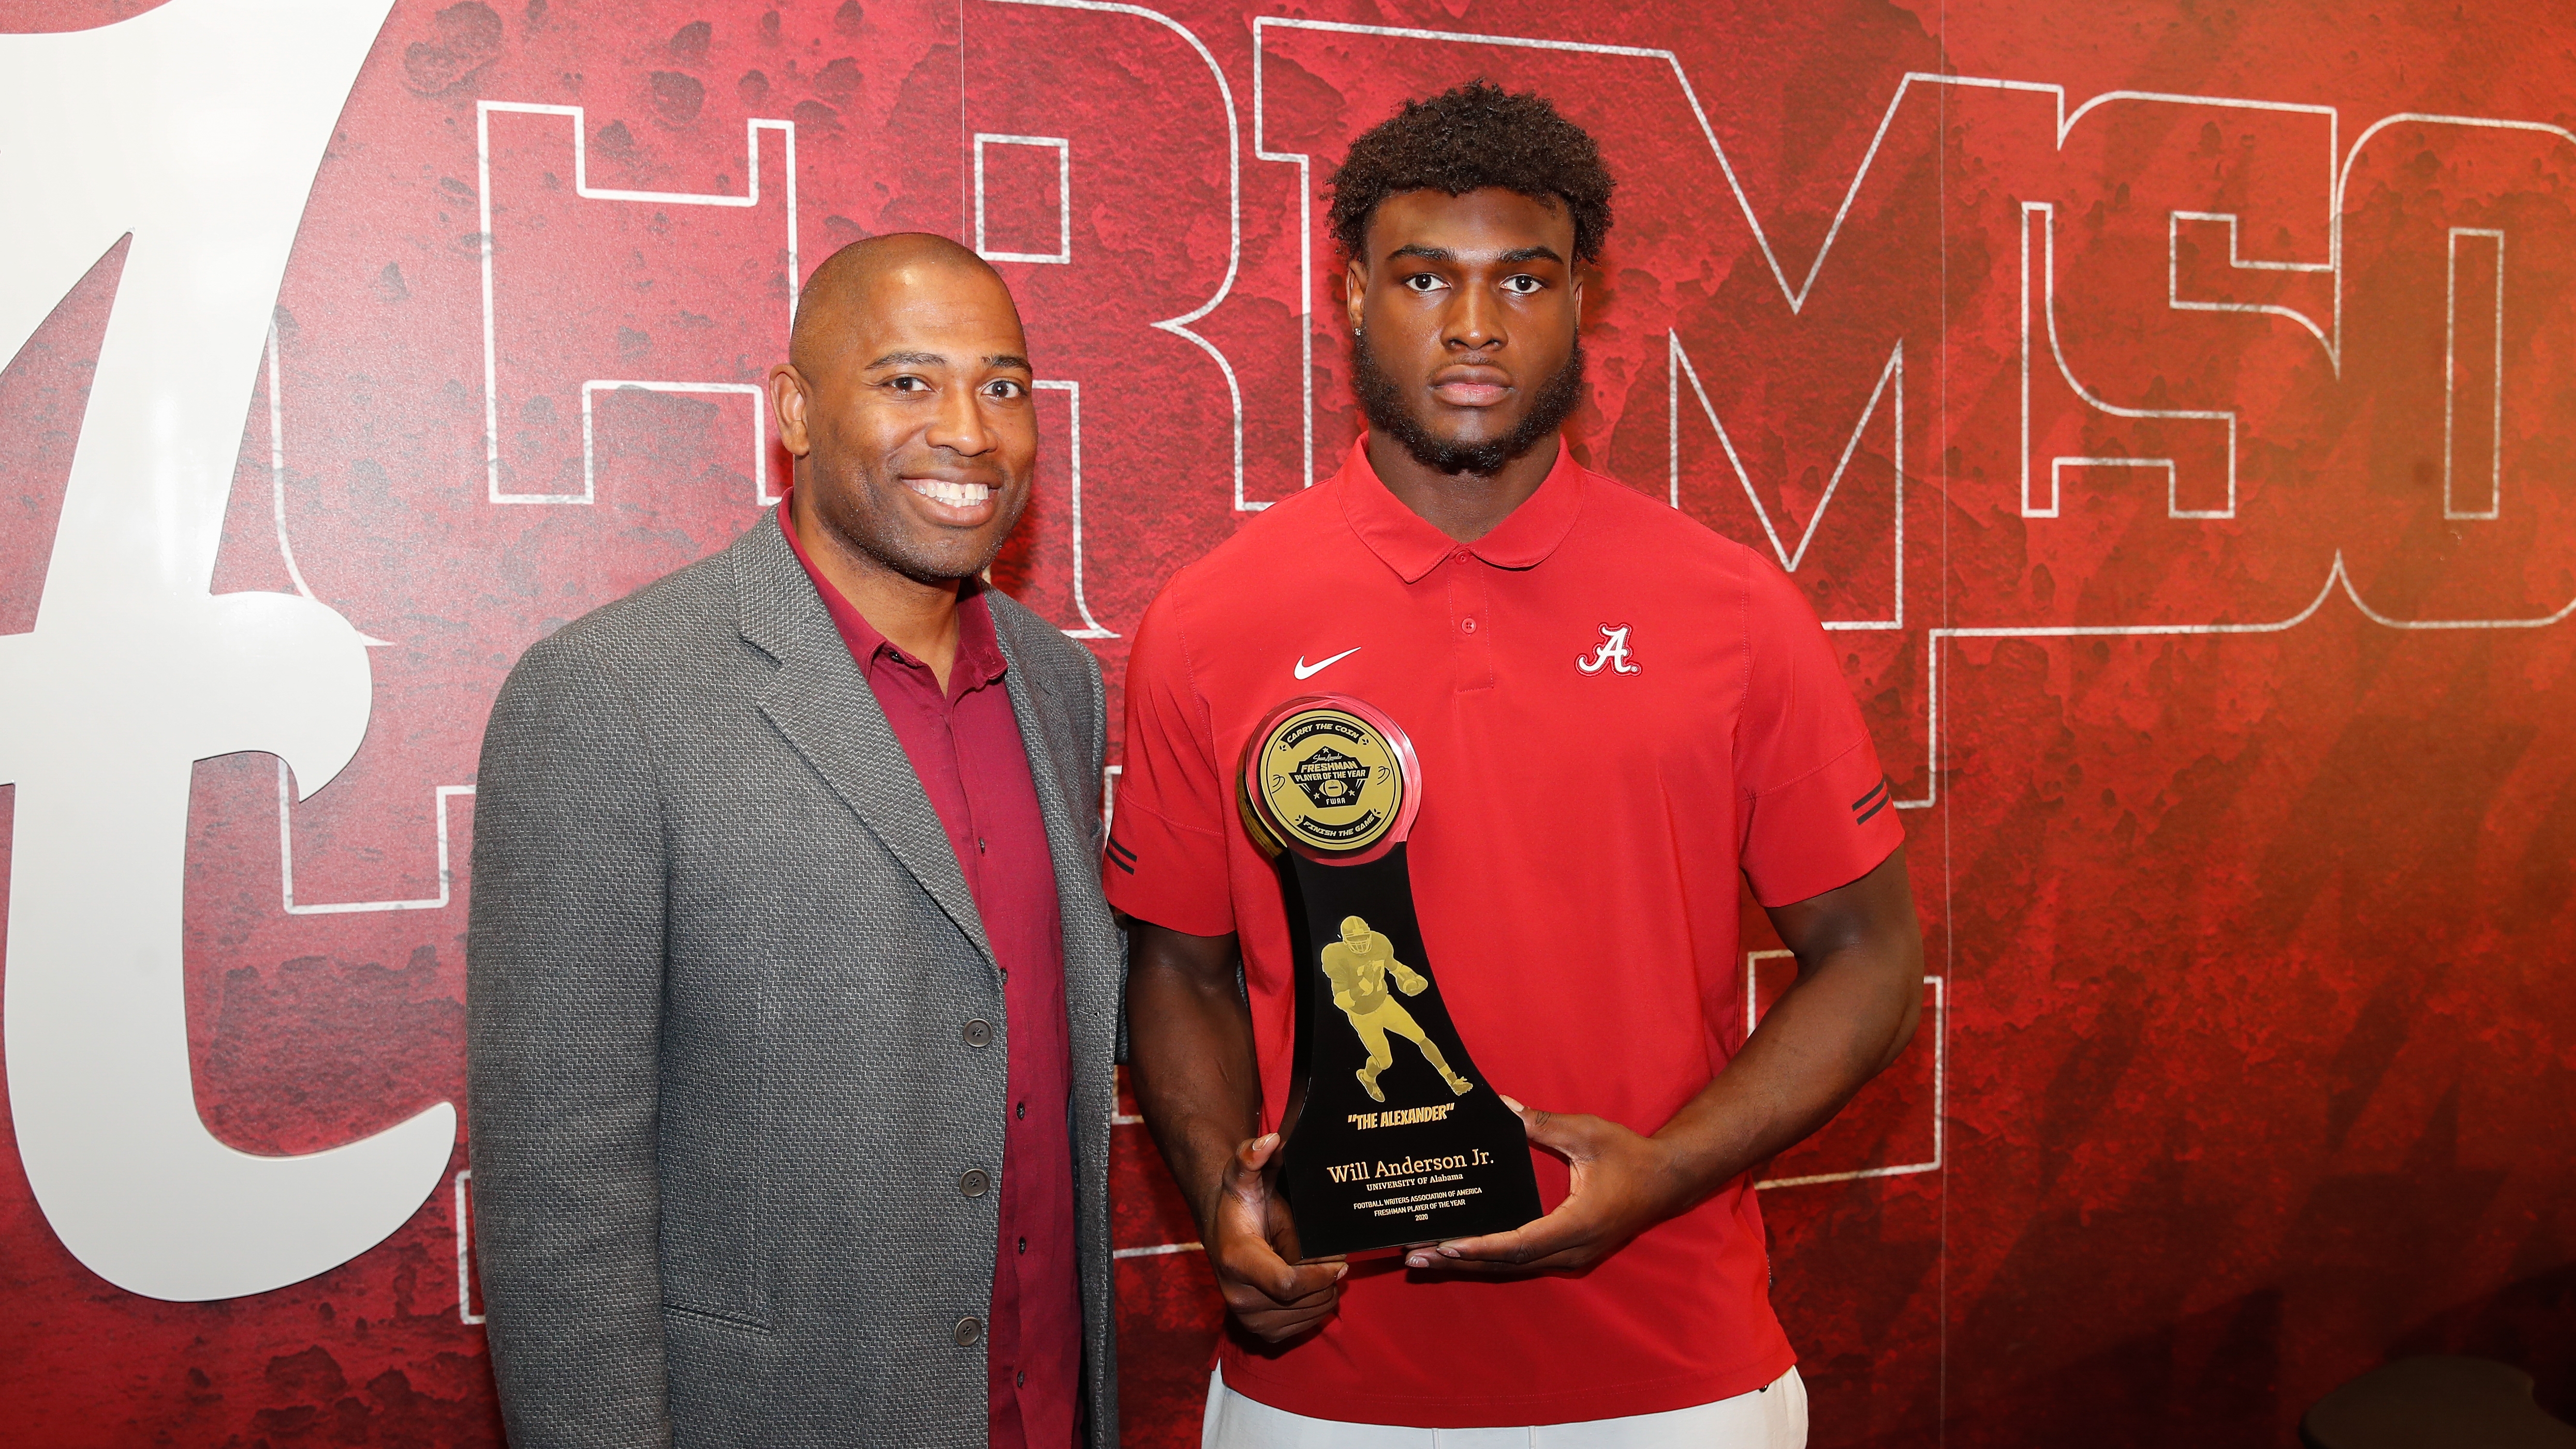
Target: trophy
1390,1137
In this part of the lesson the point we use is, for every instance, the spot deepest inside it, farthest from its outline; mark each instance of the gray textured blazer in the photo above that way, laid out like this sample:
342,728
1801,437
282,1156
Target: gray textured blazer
721,964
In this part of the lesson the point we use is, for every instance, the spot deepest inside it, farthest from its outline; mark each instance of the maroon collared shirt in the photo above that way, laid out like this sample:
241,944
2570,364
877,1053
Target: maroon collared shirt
964,745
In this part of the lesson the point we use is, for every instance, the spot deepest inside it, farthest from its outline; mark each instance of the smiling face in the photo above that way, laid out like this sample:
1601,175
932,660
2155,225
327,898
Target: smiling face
1463,311
907,407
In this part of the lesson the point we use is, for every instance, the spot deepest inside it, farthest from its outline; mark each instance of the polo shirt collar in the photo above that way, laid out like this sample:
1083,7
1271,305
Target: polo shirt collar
1411,546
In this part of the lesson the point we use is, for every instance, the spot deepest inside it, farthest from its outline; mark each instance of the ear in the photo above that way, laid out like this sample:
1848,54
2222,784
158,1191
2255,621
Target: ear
788,394
1354,290
1580,271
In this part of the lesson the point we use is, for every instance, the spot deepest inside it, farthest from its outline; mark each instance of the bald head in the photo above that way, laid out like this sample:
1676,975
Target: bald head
861,282
907,402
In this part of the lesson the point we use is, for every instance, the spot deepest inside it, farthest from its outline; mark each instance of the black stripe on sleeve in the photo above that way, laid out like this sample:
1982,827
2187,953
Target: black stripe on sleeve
1874,792
1883,795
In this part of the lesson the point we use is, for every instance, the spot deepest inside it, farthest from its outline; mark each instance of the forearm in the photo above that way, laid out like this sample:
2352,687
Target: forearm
1832,1031
570,1275
1190,1057
1859,989
1847,1017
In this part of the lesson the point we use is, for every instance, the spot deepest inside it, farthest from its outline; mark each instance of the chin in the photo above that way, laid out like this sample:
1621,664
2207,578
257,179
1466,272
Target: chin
953,568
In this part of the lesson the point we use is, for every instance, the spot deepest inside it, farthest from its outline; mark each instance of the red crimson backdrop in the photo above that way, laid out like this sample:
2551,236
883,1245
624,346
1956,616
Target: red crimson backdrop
2170,408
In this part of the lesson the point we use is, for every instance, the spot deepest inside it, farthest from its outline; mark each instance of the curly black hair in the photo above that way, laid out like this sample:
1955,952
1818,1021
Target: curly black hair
1468,138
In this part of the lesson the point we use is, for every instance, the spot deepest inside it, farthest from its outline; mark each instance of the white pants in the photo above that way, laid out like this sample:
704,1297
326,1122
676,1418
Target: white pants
1767,1418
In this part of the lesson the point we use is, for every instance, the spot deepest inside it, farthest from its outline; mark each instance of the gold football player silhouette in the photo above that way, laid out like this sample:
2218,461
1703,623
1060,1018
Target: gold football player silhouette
1358,965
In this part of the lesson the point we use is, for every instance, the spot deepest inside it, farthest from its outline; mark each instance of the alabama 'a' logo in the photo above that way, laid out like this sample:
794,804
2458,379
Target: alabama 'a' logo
136,666
1612,655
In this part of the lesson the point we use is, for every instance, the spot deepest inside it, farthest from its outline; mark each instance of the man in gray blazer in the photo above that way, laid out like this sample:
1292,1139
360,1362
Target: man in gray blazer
792,990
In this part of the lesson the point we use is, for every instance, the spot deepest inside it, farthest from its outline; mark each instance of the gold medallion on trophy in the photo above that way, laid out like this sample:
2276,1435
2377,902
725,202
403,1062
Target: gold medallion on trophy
1332,779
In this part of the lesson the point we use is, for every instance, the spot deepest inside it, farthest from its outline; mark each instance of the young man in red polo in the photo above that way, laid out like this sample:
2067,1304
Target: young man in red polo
1616,712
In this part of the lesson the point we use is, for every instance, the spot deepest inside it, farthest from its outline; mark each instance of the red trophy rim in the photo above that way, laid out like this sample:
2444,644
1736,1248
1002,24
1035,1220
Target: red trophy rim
1247,777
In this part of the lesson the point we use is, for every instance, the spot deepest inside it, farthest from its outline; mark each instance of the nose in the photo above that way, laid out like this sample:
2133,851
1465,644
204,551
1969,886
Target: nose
960,426
1474,323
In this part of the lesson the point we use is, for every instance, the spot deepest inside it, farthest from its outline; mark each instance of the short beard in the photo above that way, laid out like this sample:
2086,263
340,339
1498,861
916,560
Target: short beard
1384,404
869,529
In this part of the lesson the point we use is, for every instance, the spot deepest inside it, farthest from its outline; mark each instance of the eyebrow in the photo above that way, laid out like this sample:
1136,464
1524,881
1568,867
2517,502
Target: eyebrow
1443,254
933,359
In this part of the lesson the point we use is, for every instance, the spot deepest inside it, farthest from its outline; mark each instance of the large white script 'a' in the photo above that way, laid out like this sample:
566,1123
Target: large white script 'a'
197,128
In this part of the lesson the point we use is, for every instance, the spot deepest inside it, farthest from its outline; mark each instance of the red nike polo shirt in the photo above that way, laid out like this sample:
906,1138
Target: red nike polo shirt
1617,711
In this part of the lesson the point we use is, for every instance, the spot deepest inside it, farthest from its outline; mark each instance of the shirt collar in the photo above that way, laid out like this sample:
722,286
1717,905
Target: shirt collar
1412,547
979,653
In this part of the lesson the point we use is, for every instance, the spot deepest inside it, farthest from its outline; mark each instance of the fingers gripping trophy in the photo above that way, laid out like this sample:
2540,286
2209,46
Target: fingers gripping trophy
1379,1151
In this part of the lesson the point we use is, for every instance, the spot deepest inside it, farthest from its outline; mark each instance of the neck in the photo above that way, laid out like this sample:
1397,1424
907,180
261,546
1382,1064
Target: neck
916,617
1465,506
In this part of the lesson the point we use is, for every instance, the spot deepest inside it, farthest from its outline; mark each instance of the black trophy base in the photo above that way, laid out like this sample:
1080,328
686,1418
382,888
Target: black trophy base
1396,1138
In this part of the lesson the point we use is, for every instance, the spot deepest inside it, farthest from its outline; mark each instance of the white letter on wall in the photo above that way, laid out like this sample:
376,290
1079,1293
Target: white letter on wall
198,128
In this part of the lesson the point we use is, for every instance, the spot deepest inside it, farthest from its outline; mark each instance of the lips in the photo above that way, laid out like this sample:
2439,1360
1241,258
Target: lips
1471,387
964,498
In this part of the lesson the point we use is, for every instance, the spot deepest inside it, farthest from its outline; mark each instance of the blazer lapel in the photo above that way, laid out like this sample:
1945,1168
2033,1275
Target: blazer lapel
823,707
1040,716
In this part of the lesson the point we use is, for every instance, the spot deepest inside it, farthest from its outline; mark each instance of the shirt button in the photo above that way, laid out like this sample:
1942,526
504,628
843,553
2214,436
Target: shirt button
979,845
967,1332
978,1032
1460,554
1024,1245
1468,625
1021,1111
974,1182
1023,1380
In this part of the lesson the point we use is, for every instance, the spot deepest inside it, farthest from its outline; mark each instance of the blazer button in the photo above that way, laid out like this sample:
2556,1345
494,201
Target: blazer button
978,1033
974,1182
968,1332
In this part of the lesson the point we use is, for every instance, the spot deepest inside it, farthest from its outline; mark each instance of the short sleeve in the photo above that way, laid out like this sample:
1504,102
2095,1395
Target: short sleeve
1818,812
1166,858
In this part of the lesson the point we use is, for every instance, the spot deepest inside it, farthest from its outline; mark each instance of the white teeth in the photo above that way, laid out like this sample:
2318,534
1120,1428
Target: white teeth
955,495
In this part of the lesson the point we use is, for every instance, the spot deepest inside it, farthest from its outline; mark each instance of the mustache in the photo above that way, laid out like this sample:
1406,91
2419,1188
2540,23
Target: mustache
1390,411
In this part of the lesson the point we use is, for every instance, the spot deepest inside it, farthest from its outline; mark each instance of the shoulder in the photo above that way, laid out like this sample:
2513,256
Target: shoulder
1239,579
644,635
1276,541
1626,528
1652,521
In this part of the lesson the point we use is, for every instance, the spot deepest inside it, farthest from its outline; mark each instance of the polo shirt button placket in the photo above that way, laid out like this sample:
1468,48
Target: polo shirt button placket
1470,606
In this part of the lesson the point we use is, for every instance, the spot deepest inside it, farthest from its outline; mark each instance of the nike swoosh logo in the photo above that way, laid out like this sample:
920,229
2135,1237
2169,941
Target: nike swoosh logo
1309,671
